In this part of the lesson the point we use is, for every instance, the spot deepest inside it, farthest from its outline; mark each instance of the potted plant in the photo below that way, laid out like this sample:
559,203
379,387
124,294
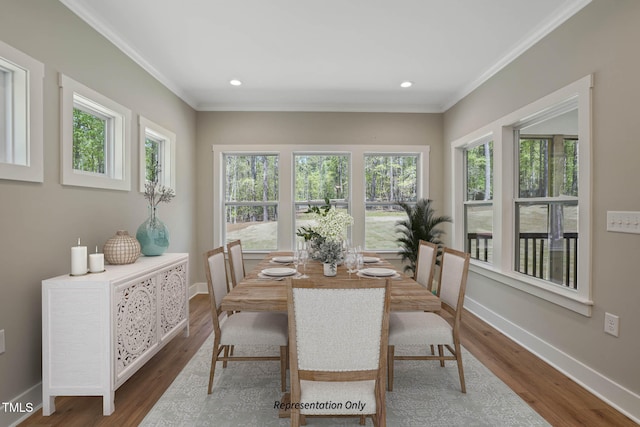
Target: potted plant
421,224
329,252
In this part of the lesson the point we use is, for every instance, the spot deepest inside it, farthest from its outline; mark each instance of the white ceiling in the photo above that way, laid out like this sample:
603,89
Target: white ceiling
323,55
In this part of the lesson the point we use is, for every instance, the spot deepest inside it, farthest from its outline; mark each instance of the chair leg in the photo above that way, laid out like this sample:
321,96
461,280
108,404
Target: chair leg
303,420
284,350
226,354
295,418
214,359
460,369
441,354
390,355
432,350
363,420
231,351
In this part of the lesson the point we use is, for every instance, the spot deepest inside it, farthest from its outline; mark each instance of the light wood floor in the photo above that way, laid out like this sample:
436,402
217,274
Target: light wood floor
554,396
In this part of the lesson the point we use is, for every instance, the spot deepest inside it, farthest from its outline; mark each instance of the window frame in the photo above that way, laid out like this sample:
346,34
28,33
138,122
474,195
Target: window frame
117,174
505,187
24,112
286,213
488,138
167,140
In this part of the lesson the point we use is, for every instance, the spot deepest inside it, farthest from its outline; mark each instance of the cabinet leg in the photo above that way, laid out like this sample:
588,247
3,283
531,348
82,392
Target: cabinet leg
48,405
108,405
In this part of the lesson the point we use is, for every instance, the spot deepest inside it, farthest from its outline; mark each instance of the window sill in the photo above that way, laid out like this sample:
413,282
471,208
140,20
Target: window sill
563,297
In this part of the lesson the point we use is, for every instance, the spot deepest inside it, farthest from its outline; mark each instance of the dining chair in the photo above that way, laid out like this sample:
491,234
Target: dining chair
338,348
236,262
428,328
426,264
241,328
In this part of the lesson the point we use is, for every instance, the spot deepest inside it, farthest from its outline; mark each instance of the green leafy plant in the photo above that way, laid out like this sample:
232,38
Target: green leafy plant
421,224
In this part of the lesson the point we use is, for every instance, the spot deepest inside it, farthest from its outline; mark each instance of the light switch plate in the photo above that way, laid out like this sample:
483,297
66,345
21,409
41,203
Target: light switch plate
623,222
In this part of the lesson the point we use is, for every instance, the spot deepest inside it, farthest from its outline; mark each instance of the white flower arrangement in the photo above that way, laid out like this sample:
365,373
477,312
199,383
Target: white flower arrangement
333,225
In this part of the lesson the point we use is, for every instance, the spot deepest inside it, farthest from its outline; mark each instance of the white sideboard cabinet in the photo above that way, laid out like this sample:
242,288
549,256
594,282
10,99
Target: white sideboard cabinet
99,329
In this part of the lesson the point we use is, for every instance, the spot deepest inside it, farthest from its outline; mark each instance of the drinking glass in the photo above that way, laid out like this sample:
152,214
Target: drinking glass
350,262
296,261
304,257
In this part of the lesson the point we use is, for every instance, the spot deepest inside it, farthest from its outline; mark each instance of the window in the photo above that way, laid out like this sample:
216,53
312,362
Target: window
319,176
265,205
20,116
389,179
251,200
157,146
537,219
478,204
546,206
95,138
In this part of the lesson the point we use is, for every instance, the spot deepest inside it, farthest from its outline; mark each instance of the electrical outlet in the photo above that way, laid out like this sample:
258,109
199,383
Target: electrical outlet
2,341
611,324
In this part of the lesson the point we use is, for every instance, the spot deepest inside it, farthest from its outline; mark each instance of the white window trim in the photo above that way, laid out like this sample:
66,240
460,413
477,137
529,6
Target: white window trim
118,175
504,182
286,210
168,152
31,126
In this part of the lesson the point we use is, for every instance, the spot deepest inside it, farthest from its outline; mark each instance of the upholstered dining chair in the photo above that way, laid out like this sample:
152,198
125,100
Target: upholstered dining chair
425,328
338,348
426,263
242,328
236,262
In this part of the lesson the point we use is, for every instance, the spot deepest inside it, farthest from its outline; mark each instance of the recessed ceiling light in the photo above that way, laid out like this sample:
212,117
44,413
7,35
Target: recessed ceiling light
235,82
406,84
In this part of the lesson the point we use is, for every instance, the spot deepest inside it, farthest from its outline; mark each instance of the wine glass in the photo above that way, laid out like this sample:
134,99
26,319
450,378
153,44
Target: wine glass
296,261
350,262
304,257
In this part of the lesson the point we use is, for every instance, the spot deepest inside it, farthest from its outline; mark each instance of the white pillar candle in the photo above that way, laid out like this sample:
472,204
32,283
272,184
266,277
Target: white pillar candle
78,260
96,262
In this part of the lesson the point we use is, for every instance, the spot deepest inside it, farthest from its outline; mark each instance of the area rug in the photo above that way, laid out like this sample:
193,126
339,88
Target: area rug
247,393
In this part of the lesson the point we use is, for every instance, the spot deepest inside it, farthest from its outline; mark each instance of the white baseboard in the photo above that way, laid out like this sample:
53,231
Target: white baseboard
21,407
198,288
614,394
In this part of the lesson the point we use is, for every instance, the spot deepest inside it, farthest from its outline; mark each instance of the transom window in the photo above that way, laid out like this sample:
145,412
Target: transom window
95,138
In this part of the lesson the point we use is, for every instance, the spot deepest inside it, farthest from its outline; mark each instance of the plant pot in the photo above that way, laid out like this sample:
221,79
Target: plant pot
329,270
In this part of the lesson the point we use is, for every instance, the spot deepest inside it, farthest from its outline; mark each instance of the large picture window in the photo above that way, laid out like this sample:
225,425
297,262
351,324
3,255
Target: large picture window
535,214
251,200
389,179
264,195
320,176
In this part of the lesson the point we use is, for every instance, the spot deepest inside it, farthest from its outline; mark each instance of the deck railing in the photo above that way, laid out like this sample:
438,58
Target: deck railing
534,257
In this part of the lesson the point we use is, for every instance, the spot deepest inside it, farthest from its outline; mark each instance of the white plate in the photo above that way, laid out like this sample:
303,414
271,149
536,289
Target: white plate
279,271
282,259
378,272
370,259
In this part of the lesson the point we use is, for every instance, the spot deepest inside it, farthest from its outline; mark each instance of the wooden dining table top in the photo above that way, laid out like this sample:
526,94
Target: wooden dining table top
255,293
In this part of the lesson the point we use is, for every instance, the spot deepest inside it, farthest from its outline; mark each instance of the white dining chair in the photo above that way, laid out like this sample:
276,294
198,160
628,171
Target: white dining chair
338,348
236,262
427,328
241,328
426,263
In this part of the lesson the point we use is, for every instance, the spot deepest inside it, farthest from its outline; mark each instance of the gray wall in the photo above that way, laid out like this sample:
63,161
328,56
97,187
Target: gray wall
39,222
269,128
601,39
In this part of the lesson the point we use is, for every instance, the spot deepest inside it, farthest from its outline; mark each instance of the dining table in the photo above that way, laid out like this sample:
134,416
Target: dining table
261,292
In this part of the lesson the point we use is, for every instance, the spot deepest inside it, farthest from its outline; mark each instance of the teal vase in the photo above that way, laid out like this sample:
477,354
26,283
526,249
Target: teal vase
153,235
